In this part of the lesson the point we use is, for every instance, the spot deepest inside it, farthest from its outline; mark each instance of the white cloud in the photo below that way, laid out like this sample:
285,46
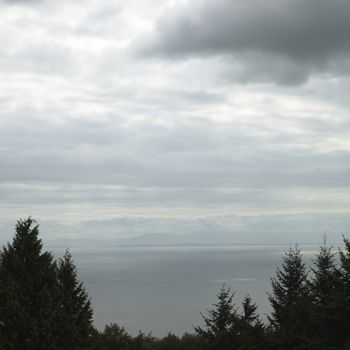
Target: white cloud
87,129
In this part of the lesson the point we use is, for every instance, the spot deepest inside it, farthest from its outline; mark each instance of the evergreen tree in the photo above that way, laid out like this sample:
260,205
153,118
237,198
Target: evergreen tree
170,342
326,275
326,294
144,342
193,342
75,317
290,302
96,342
28,292
222,325
250,316
252,330
344,303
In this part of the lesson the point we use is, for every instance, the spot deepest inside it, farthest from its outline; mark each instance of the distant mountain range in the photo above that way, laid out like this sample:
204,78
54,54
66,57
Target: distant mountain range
194,238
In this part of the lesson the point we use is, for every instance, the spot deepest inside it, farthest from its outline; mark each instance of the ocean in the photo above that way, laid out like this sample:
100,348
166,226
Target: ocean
165,289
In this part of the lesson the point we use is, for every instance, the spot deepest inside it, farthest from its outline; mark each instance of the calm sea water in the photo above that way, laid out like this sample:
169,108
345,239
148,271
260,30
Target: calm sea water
162,289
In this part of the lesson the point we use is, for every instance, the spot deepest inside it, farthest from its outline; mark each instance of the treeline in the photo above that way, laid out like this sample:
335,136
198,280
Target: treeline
43,306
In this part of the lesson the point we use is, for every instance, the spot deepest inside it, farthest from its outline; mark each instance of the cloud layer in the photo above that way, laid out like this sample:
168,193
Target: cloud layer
285,41
183,136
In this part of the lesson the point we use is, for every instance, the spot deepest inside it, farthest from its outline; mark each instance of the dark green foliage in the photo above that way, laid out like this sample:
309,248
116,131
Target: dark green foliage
115,337
326,276
326,294
193,342
344,299
252,330
28,292
144,342
42,305
289,285
250,316
290,302
170,342
75,316
222,325
96,341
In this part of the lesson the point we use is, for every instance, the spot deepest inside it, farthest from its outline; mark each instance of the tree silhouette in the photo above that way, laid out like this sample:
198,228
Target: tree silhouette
344,300
326,295
75,317
252,330
28,292
222,325
290,302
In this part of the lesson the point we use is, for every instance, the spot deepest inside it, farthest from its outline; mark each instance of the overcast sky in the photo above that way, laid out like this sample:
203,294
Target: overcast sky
119,118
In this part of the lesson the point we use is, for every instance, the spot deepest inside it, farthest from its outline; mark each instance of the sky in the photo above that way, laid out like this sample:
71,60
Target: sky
123,118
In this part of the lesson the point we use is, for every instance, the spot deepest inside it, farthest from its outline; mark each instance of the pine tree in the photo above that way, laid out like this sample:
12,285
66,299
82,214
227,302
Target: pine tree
222,325
290,302
170,342
326,275
344,302
252,330
28,292
75,317
250,315
193,342
326,294
144,342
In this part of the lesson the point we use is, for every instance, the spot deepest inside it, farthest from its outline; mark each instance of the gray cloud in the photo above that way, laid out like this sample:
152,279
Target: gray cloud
187,155
285,41
92,137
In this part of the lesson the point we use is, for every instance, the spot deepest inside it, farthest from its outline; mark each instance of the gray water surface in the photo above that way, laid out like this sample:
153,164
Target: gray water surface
162,289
